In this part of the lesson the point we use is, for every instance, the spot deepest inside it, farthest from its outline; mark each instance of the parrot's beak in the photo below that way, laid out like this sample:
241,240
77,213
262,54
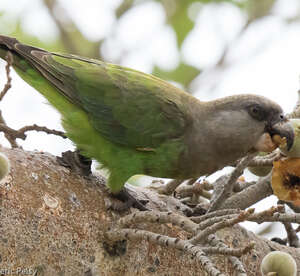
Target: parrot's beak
284,129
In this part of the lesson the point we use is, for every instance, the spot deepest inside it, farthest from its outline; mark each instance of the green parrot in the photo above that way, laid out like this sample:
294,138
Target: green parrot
135,123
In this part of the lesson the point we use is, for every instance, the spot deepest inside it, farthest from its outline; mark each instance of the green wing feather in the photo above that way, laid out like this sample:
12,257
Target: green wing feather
125,106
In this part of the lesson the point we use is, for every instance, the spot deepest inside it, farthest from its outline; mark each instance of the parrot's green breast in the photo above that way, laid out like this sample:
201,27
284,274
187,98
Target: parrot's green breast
91,125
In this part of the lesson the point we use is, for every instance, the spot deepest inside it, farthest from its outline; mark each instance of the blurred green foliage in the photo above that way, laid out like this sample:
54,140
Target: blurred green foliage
178,17
182,74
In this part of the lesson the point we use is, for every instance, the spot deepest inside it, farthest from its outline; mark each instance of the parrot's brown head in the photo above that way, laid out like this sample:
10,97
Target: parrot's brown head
226,129
251,122
269,115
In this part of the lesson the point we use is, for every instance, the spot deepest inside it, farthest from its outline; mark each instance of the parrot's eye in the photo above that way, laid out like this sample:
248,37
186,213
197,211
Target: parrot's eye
256,112
254,109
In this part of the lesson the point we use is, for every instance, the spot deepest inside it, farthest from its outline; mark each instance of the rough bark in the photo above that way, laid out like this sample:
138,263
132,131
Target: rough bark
53,221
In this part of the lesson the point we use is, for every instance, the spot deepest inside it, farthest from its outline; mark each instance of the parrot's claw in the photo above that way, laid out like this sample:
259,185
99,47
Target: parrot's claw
125,201
76,162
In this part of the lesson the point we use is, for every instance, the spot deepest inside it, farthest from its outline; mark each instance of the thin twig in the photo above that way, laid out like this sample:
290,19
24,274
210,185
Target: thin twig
65,35
208,222
10,139
237,252
12,134
238,171
294,218
43,129
229,185
261,216
169,188
218,213
274,214
70,35
242,185
123,7
197,188
242,216
8,136
292,237
236,263
7,86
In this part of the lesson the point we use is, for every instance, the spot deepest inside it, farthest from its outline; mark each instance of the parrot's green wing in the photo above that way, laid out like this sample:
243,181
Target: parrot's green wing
125,106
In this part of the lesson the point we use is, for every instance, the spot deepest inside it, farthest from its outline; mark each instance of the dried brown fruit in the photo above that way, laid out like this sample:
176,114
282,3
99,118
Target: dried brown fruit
286,180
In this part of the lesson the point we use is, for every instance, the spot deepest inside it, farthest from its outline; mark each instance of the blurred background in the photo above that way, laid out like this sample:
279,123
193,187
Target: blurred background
209,48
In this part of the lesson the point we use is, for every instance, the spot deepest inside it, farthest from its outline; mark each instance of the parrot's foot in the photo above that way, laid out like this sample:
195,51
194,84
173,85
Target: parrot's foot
125,201
76,162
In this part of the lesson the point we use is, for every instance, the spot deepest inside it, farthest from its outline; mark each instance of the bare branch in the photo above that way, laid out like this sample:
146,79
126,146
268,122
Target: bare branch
197,188
7,86
250,195
237,252
274,214
227,189
158,217
169,188
242,185
10,139
136,235
124,7
9,59
242,216
292,237
294,218
260,217
236,263
70,34
43,129
11,134
217,213
208,222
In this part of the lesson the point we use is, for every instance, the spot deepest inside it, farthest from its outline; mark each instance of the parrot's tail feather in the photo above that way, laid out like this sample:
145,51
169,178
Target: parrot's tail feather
11,44
37,59
6,44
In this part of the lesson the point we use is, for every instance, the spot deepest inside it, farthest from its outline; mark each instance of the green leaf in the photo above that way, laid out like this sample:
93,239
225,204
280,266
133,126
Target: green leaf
259,8
177,14
183,74
178,18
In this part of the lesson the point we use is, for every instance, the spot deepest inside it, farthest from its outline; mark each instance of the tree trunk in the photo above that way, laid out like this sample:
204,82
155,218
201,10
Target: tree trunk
53,222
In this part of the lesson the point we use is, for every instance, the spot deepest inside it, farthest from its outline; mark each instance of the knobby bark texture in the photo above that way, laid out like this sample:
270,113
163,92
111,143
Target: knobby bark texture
53,222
